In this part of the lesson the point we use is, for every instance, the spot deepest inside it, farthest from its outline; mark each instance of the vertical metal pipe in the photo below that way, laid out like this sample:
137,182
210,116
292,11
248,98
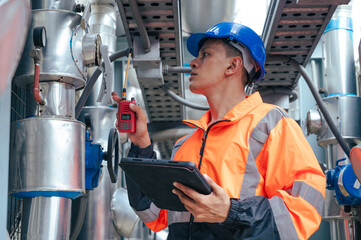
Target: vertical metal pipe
46,218
338,54
98,222
102,21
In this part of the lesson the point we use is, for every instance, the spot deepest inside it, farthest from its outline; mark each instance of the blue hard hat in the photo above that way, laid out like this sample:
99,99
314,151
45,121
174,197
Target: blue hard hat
234,32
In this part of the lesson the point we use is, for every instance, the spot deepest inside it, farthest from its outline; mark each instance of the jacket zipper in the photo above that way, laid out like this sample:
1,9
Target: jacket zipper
204,138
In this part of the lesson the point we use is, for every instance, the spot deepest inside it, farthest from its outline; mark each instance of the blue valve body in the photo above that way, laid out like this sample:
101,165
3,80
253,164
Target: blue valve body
343,180
93,160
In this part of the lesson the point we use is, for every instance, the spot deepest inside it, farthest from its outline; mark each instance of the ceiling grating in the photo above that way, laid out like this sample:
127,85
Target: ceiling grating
162,20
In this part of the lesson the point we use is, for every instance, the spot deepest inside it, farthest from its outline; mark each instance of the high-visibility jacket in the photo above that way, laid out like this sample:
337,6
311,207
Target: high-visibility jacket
261,158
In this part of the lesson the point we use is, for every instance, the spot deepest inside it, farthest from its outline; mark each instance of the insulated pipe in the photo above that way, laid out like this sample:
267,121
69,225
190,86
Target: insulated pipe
182,100
141,27
93,79
317,97
36,90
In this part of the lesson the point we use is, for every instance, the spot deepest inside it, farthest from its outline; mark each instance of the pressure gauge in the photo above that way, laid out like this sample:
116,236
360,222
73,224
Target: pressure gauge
39,37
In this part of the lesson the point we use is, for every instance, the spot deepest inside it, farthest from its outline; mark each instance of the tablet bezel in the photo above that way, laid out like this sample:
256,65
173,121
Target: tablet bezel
155,179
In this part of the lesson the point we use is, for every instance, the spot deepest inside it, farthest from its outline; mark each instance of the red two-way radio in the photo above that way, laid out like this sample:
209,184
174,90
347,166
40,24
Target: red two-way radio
126,117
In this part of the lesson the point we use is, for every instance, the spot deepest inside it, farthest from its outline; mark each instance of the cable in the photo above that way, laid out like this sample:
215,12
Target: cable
182,100
317,97
141,27
93,79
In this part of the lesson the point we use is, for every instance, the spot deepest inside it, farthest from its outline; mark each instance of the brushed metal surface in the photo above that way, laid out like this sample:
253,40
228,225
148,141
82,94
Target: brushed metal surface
61,58
337,46
102,21
46,218
345,112
59,100
123,215
200,15
47,154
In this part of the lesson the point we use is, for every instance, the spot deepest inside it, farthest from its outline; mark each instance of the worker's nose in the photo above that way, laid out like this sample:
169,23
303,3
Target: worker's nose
194,63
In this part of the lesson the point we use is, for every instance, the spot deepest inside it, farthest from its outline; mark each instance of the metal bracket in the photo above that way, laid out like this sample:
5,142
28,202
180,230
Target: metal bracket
106,69
86,15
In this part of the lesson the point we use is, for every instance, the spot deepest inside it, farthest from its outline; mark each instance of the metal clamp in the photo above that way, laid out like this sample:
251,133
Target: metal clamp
86,15
106,70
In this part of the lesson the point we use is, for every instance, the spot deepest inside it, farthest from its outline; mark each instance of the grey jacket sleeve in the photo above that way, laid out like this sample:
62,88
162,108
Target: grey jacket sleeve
251,218
138,201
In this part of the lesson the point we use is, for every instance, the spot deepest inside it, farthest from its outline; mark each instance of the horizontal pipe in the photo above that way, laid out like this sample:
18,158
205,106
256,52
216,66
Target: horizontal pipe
317,97
167,69
183,101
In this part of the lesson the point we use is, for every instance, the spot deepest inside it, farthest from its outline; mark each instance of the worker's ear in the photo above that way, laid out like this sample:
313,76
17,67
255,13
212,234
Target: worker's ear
235,65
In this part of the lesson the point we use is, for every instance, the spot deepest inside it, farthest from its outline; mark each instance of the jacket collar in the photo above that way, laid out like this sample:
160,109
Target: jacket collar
236,113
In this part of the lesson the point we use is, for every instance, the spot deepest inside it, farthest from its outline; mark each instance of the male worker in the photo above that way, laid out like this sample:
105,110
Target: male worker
266,181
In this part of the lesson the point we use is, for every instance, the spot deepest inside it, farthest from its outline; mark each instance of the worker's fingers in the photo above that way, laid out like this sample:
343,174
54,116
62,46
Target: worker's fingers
116,97
191,193
186,200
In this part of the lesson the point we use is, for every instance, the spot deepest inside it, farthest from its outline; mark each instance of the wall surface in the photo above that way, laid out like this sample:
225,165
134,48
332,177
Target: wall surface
4,160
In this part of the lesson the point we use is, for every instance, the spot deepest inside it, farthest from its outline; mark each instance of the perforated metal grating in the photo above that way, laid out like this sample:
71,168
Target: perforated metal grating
161,19
293,28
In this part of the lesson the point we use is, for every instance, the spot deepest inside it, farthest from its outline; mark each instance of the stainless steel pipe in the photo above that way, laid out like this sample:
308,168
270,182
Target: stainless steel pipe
46,218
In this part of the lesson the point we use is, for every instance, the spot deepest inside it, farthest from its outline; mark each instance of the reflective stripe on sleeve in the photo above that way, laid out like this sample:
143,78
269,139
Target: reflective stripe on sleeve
148,215
177,217
283,219
256,142
310,194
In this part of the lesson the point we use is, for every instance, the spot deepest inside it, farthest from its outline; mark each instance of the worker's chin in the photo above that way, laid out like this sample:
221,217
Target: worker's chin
194,89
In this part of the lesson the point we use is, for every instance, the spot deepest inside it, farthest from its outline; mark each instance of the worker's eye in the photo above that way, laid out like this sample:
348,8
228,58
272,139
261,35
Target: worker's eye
205,54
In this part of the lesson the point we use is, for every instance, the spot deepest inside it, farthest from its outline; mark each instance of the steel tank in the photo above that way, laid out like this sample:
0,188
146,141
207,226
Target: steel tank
47,154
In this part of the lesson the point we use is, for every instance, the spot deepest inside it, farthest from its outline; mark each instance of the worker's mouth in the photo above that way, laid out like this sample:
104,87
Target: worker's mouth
192,75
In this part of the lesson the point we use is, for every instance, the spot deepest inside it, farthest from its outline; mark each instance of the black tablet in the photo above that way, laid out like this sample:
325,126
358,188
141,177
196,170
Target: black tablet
155,178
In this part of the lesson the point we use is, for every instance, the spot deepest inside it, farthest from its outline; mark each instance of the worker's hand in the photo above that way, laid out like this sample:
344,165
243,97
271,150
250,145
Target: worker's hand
141,136
210,208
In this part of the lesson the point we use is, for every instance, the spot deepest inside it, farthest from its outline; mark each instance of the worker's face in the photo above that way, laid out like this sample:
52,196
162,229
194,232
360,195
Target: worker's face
209,67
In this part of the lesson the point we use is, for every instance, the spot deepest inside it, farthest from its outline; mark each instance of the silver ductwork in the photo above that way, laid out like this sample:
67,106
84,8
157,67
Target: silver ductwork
98,222
102,21
337,49
200,15
62,59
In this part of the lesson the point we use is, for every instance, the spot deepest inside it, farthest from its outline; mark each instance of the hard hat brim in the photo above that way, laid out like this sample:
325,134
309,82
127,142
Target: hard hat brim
195,39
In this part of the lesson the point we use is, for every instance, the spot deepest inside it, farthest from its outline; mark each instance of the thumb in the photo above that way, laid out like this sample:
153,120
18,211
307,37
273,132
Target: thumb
116,97
138,110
